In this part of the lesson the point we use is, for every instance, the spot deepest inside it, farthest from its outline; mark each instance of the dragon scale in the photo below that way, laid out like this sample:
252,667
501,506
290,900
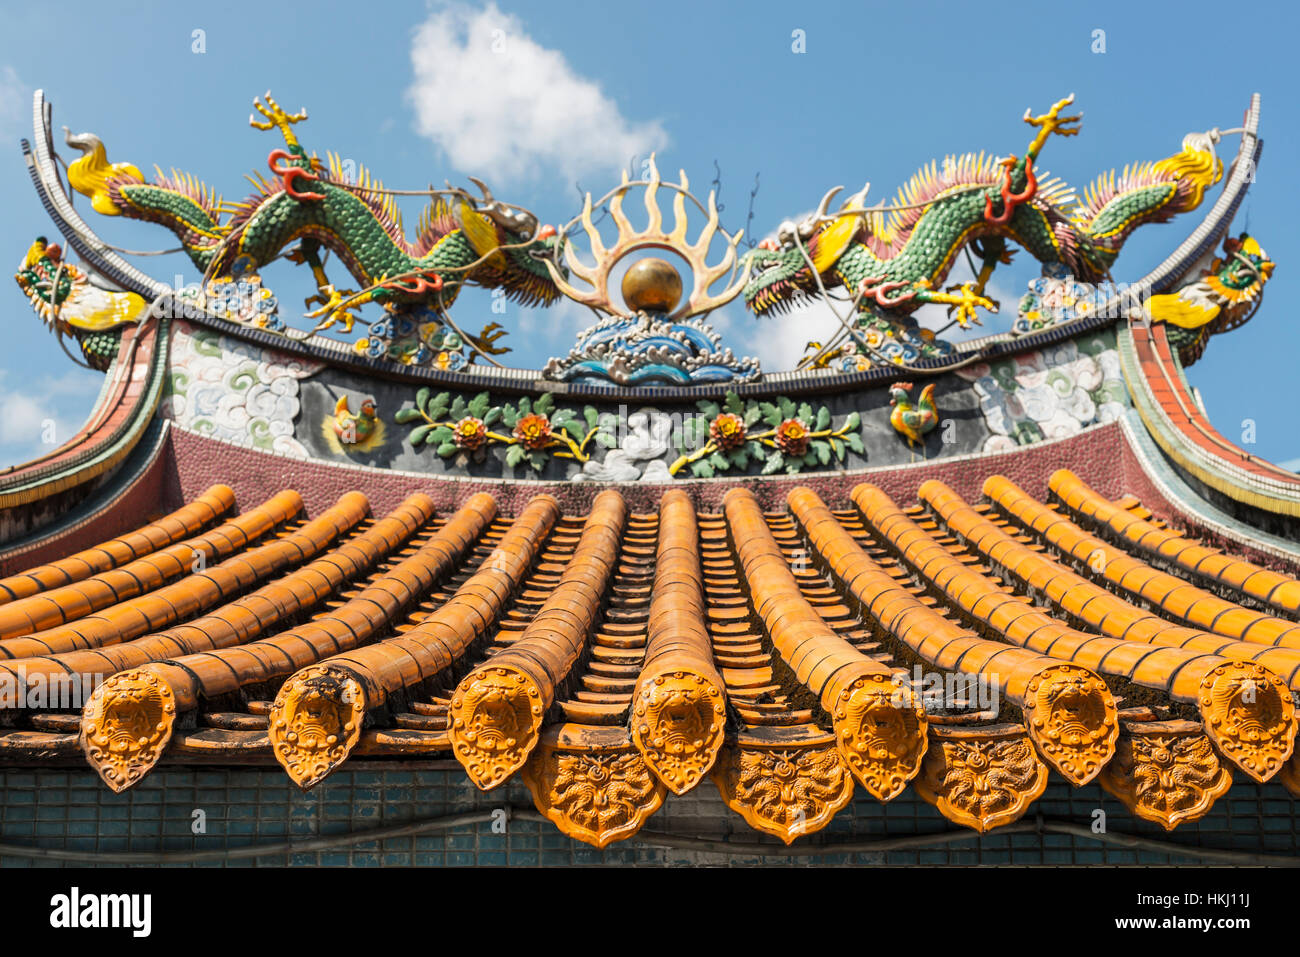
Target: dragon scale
366,241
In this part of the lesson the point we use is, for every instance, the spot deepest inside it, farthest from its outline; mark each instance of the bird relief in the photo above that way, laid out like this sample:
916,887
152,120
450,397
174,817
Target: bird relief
912,420
347,431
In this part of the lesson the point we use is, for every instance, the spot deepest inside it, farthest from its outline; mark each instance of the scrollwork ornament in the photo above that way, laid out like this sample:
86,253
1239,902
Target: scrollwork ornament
982,779
126,725
596,797
788,792
1166,772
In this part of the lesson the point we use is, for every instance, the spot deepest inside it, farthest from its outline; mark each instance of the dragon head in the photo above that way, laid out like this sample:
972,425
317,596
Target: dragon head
1244,268
37,276
780,275
65,298
514,245
1222,299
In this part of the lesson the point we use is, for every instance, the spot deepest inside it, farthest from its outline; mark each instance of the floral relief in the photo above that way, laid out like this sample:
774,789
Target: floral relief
647,445
731,435
531,430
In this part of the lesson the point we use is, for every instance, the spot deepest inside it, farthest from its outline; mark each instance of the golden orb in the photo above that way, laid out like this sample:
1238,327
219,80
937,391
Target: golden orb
652,285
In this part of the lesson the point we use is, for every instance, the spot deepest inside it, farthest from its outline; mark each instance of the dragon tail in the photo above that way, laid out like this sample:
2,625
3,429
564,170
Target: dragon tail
94,176
1153,192
180,202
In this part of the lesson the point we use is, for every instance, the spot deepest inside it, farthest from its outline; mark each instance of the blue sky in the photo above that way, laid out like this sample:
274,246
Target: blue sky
537,98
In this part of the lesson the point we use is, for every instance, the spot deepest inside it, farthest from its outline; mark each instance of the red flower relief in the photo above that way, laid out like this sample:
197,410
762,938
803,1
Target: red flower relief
792,437
533,431
727,431
469,433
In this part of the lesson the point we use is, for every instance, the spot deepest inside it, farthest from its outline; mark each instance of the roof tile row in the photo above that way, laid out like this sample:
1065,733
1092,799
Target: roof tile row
1267,587
613,661
1179,599
1254,712
185,521
497,710
60,605
350,684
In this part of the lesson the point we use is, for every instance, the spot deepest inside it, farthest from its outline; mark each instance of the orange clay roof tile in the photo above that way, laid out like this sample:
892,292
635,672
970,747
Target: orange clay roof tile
669,646
1268,587
186,521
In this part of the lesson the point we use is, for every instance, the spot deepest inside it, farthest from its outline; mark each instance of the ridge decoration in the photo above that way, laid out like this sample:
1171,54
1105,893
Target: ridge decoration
888,260
310,206
652,340
891,265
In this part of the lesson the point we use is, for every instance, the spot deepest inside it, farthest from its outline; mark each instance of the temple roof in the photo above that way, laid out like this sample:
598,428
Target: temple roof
1037,557
965,648
1175,419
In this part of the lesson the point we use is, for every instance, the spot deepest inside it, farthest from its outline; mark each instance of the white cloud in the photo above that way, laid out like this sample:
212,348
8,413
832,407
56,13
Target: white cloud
777,341
552,330
500,105
53,409
15,103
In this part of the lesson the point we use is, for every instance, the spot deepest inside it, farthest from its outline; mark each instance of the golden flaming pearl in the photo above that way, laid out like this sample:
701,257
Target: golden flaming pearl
652,285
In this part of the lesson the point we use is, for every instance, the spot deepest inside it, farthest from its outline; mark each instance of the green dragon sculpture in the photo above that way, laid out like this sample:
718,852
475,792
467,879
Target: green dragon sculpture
459,240
894,265
71,304
1222,299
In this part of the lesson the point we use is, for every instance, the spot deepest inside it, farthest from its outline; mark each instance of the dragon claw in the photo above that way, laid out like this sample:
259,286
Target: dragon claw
1052,122
331,310
276,117
962,301
486,340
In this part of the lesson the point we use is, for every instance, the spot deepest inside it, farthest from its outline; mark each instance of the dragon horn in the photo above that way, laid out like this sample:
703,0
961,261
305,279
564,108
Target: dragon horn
809,225
487,193
514,219
86,142
826,201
